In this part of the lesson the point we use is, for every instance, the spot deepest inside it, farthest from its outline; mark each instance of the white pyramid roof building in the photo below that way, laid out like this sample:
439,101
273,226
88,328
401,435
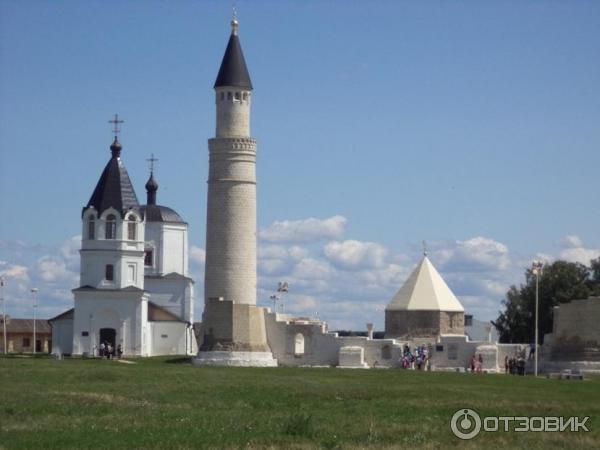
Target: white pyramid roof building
425,289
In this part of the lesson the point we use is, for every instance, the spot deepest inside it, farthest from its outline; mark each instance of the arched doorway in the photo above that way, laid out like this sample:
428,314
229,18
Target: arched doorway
108,336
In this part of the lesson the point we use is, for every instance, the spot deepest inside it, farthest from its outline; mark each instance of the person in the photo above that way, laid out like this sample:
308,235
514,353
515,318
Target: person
506,364
119,351
473,364
102,349
531,351
419,359
521,366
480,363
108,350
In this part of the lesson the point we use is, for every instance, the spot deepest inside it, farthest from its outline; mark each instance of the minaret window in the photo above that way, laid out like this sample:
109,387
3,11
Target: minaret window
238,96
245,96
91,228
131,229
109,272
111,227
222,96
229,96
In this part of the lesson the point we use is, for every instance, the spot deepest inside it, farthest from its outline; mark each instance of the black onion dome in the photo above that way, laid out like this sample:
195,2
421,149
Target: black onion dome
157,213
151,184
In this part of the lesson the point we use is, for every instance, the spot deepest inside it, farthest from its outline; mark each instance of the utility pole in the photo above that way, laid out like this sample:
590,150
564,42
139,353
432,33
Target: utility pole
33,294
536,269
5,344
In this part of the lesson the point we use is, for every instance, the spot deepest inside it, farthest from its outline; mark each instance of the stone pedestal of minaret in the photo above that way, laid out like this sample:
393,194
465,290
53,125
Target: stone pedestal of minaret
233,328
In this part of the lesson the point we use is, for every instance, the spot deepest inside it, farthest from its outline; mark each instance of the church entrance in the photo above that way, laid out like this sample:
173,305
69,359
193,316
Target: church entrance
108,336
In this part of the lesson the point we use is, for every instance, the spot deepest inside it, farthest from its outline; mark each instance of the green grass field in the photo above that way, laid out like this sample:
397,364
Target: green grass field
164,403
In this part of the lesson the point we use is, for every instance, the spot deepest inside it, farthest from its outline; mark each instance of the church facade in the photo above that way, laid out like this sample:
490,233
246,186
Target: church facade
134,292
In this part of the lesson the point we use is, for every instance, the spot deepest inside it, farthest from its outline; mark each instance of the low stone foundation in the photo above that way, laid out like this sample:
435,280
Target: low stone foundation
235,359
233,327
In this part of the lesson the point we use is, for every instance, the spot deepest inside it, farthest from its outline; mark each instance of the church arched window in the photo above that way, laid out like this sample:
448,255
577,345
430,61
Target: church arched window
91,228
299,344
111,227
131,229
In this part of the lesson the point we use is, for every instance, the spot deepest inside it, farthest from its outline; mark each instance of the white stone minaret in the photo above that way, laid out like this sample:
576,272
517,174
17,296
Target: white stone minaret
233,327
231,207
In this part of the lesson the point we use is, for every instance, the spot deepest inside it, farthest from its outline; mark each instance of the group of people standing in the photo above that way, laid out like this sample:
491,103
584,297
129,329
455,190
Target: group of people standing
516,364
477,364
108,351
417,360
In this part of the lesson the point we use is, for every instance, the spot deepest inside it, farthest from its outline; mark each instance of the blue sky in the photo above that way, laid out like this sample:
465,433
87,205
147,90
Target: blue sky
472,125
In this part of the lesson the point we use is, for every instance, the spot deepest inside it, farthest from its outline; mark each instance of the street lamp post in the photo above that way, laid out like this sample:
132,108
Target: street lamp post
275,298
5,344
283,288
536,269
33,295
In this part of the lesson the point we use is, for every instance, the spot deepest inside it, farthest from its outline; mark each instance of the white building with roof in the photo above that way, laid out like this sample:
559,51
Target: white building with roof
135,291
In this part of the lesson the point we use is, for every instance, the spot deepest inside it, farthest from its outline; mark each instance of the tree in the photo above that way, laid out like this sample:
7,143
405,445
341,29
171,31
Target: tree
560,282
595,266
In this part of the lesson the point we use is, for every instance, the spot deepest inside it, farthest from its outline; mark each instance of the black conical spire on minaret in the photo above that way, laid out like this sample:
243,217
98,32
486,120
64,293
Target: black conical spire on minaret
233,71
151,188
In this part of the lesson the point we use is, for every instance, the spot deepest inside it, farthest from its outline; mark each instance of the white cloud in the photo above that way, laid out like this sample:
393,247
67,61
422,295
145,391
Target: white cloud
197,255
278,259
297,253
478,254
305,230
574,250
351,254
572,241
313,269
69,251
581,255
14,271
273,266
53,270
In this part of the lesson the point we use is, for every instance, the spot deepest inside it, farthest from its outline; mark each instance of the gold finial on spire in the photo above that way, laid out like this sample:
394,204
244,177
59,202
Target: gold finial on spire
424,248
234,21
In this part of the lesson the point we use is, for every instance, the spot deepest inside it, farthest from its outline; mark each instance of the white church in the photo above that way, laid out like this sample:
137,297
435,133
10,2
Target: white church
134,289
